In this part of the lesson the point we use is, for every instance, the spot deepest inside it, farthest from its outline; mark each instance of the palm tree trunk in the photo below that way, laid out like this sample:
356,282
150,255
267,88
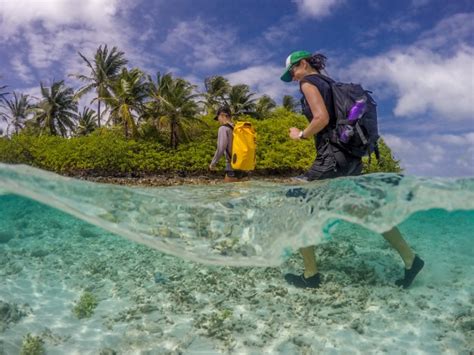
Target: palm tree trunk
171,134
174,135
98,113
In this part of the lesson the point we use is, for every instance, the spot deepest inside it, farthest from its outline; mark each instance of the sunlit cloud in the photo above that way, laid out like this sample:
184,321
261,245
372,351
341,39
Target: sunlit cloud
424,78
434,155
317,8
51,32
263,80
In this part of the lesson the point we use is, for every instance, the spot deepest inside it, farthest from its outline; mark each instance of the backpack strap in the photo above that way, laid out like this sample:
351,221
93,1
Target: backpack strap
310,80
327,79
313,80
362,136
377,151
228,125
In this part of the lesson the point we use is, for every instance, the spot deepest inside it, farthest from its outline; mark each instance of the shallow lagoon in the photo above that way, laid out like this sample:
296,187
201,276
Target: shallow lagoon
152,302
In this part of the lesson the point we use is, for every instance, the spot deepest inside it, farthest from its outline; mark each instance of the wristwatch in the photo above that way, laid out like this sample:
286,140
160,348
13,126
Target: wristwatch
301,136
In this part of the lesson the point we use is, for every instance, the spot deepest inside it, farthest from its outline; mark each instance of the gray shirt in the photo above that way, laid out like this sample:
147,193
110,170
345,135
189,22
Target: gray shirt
224,146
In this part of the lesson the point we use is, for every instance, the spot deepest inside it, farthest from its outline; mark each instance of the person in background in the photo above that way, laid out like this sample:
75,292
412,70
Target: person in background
331,161
224,144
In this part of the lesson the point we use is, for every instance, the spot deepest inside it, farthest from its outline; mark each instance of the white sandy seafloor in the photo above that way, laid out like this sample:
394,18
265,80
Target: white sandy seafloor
150,303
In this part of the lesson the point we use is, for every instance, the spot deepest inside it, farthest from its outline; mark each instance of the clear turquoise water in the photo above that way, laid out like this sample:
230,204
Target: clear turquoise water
162,264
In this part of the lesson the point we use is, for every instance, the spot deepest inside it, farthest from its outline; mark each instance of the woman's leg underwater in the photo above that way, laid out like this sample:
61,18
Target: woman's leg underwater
309,261
395,238
413,263
310,278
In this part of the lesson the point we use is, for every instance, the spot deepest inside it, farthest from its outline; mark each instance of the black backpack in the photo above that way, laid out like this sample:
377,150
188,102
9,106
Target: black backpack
357,137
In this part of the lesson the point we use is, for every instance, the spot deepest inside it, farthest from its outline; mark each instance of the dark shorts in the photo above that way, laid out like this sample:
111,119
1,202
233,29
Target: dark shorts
332,164
328,165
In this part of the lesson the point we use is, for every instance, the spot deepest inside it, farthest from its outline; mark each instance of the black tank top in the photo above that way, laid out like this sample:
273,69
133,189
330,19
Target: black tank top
326,93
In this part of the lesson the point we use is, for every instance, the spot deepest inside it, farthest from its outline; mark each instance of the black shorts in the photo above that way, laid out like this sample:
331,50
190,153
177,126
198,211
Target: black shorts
332,163
326,166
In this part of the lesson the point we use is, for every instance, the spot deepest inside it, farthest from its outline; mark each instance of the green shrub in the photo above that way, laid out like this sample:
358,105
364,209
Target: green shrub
387,162
107,152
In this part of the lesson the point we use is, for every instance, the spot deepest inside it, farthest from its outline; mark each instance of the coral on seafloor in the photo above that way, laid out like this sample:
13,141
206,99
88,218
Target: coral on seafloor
32,345
85,306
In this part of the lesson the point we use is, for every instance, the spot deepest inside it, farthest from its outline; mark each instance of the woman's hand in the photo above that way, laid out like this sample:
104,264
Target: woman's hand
295,133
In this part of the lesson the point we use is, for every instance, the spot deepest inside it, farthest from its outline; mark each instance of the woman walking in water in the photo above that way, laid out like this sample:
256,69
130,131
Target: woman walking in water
331,160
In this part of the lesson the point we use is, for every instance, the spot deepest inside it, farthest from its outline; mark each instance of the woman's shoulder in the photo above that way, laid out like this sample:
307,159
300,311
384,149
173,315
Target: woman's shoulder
225,127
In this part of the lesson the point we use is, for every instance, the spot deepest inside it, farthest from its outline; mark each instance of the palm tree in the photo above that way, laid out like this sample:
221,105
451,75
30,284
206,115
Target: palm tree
87,122
290,103
3,94
104,69
2,98
57,110
264,106
153,108
126,99
16,111
174,102
217,89
240,100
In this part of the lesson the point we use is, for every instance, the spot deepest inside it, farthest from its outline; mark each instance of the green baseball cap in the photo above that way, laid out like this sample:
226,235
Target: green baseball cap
293,58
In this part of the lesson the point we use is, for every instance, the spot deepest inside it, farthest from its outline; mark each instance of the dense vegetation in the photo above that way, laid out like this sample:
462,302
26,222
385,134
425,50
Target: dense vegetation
146,125
107,151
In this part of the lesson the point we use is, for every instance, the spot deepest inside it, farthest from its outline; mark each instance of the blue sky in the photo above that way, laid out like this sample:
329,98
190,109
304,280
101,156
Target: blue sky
417,56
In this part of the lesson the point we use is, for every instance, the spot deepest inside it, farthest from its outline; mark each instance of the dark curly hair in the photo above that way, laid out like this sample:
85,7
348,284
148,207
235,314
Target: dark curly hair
317,61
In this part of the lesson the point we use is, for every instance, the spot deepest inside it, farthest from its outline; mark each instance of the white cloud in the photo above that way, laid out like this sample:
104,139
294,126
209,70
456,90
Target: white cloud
425,81
51,32
435,74
464,140
205,46
317,8
199,43
23,71
435,155
53,13
34,92
284,30
400,25
263,79
451,32
371,38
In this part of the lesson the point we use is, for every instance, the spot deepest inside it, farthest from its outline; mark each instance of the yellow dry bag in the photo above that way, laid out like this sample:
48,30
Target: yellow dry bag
244,147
